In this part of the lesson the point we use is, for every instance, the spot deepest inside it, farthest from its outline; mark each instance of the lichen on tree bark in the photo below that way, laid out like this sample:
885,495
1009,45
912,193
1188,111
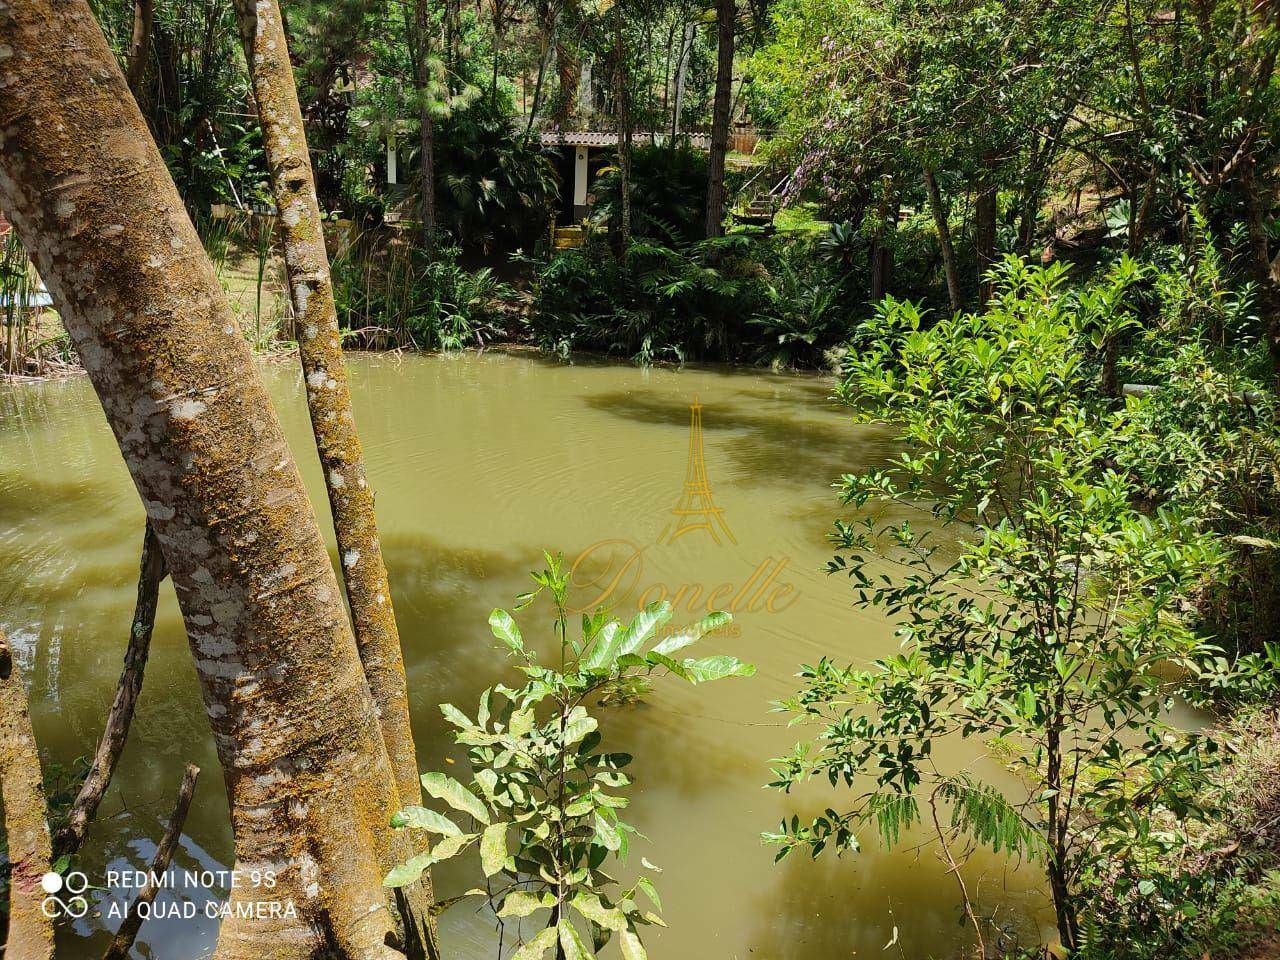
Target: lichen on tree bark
26,823
309,782
328,396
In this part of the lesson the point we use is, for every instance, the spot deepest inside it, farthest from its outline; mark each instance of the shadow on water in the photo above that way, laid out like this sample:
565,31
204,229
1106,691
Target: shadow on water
774,447
845,907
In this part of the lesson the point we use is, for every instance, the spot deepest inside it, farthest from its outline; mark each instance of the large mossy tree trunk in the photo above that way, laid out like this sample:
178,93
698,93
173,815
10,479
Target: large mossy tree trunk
26,821
333,423
328,395
726,13
308,779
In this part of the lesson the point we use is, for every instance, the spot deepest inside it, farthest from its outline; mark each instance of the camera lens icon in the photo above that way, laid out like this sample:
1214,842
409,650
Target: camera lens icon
73,885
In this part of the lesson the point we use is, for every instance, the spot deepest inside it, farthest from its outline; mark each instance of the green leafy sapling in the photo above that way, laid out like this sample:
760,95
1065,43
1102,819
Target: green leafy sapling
1053,631
543,807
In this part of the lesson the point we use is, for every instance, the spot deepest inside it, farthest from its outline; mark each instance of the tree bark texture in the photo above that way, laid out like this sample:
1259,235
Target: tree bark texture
308,779
328,396
984,214
151,571
726,11
26,822
944,239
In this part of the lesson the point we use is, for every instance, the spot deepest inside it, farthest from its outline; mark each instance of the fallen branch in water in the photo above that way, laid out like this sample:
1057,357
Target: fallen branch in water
26,820
151,571
128,931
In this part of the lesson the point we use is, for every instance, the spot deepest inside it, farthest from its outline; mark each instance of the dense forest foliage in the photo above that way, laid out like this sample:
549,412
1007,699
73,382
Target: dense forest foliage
1038,244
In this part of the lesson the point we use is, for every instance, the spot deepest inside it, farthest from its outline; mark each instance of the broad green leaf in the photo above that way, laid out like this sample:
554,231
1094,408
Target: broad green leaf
574,948
456,716
591,907
697,631
488,782
577,725
632,949
505,629
715,668
423,818
407,873
451,846
521,903
539,945
641,628
607,834
493,849
521,723
455,795
645,884
604,650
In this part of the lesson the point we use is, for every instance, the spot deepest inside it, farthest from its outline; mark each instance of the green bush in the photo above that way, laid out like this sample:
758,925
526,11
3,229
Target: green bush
668,193
393,295
744,297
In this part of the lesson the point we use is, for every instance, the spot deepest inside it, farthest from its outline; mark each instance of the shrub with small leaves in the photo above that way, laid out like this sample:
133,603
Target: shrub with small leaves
543,808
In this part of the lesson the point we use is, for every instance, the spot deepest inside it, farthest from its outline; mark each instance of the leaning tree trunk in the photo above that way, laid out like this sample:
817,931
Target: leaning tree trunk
624,133
328,397
725,14
309,784
944,239
984,214
26,823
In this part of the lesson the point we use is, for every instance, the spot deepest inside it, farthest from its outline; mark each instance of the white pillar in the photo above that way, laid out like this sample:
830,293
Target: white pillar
580,184
391,157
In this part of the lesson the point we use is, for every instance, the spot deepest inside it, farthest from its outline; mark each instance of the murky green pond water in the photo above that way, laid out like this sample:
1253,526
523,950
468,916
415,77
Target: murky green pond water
480,462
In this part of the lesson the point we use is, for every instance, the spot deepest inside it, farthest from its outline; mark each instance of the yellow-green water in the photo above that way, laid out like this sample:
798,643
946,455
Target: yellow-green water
481,462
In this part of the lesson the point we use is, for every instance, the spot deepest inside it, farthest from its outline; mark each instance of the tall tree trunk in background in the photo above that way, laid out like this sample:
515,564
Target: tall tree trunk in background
624,131
944,238
726,11
427,144
1264,271
140,48
984,242
26,818
881,243
328,397
568,63
682,72
309,784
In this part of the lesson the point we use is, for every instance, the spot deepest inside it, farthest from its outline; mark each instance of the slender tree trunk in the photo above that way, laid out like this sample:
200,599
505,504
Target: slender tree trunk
151,571
568,66
364,573
624,132
543,62
984,214
26,822
881,245
726,11
309,783
682,71
944,238
140,48
127,932
427,144
1263,271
